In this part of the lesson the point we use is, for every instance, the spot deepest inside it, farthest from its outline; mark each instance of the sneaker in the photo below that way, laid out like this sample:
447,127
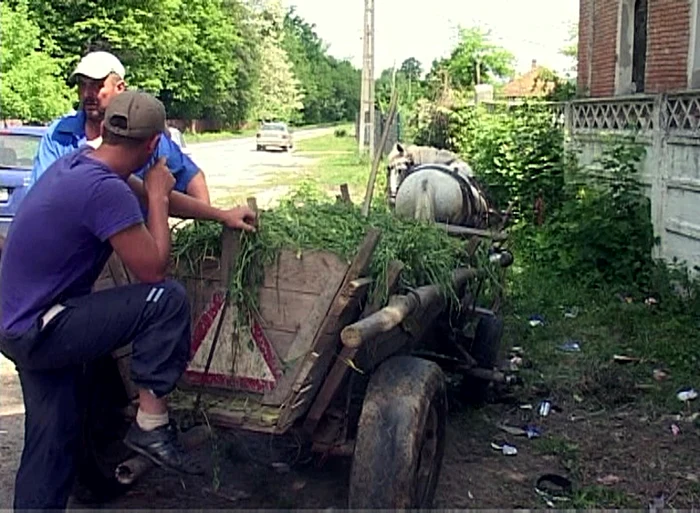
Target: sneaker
162,447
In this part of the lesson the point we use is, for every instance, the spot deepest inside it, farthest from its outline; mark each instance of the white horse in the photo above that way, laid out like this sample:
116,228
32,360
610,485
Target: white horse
430,184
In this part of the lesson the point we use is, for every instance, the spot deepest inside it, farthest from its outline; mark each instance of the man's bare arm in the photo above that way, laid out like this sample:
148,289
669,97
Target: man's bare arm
197,188
184,206
181,205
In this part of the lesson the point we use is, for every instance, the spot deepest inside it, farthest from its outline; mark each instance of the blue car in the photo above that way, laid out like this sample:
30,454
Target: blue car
18,146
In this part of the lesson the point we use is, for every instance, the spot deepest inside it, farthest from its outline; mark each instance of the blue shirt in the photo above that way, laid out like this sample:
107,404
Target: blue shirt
67,133
58,242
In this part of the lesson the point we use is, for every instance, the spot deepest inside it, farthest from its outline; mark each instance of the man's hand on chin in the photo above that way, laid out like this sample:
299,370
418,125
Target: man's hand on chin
240,218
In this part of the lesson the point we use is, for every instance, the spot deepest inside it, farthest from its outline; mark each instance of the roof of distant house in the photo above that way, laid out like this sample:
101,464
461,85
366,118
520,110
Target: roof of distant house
529,84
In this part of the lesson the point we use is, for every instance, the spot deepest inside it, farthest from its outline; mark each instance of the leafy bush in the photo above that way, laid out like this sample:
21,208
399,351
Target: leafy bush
517,152
340,132
603,230
520,154
584,227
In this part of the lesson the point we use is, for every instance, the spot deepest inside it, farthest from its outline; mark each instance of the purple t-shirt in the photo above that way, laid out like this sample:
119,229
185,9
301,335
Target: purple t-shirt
58,243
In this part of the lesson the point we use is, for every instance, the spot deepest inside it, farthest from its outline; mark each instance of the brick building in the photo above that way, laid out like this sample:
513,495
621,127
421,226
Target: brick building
638,46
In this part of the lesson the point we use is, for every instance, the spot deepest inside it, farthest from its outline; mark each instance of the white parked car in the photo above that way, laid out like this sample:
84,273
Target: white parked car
179,139
273,134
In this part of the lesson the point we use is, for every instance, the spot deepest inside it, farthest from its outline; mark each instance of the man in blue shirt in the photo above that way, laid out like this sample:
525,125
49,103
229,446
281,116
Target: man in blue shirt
100,77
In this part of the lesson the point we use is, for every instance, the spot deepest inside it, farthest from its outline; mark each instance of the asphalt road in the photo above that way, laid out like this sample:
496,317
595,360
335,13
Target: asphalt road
234,169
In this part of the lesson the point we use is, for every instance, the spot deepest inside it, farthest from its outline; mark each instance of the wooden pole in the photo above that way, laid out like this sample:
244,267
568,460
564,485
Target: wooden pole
379,151
398,309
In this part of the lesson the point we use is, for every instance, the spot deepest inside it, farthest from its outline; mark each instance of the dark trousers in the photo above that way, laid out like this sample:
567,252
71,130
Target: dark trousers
154,318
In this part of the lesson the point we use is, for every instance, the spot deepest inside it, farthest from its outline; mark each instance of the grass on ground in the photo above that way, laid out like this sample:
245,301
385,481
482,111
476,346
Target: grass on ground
616,398
657,332
337,161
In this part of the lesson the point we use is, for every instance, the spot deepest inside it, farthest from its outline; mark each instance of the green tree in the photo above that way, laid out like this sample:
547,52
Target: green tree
412,69
279,93
474,60
242,86
571,47
408,85
31,88
185,52
322,78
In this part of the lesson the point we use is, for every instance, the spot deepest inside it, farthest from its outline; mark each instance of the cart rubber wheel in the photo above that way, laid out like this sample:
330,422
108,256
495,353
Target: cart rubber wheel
258,148
401,436
104,427
485,349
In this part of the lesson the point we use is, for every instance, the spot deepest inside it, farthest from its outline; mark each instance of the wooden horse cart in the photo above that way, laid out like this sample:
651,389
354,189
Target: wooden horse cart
349,377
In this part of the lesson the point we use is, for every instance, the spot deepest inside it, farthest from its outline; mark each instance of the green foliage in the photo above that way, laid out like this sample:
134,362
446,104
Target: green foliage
564,89
331,87
517,152
570,50
278,93
229,61
308,220
474,54
31,87
408,84
435,124
583,227
603,231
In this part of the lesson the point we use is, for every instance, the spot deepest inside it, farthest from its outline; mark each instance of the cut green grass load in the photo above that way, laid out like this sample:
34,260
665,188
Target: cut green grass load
308,220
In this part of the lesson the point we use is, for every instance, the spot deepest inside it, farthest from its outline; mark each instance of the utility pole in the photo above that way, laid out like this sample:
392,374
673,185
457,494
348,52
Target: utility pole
367,93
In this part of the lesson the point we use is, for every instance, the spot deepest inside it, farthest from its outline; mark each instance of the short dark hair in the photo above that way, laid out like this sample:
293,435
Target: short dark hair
117,140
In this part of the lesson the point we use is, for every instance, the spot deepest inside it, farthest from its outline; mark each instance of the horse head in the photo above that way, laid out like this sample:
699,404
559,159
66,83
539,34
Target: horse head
400,162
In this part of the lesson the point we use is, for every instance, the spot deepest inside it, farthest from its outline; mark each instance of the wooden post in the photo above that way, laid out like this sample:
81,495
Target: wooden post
378,151
345,193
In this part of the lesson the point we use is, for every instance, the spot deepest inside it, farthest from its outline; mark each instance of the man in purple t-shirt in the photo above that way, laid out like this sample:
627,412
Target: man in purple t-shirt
51,323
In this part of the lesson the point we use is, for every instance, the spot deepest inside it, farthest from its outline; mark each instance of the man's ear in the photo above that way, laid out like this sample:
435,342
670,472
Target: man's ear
153,143
120,86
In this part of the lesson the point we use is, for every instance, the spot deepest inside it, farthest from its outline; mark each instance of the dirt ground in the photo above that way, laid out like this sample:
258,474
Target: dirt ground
614,458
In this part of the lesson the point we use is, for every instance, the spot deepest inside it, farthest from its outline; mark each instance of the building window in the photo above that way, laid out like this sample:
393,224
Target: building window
639,46
631,47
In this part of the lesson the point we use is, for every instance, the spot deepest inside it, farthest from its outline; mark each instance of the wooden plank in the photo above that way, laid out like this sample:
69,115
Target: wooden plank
340,369
324,334
463,231
103,283
230,246
308,383
309,328
118,270
285,310
281,341
308,274
344,309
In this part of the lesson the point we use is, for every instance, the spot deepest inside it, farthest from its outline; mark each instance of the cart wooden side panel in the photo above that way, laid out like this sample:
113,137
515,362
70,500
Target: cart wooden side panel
293,301
264,377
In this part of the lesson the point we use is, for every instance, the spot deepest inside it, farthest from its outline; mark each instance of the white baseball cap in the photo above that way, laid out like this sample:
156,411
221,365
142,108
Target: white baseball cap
97,65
